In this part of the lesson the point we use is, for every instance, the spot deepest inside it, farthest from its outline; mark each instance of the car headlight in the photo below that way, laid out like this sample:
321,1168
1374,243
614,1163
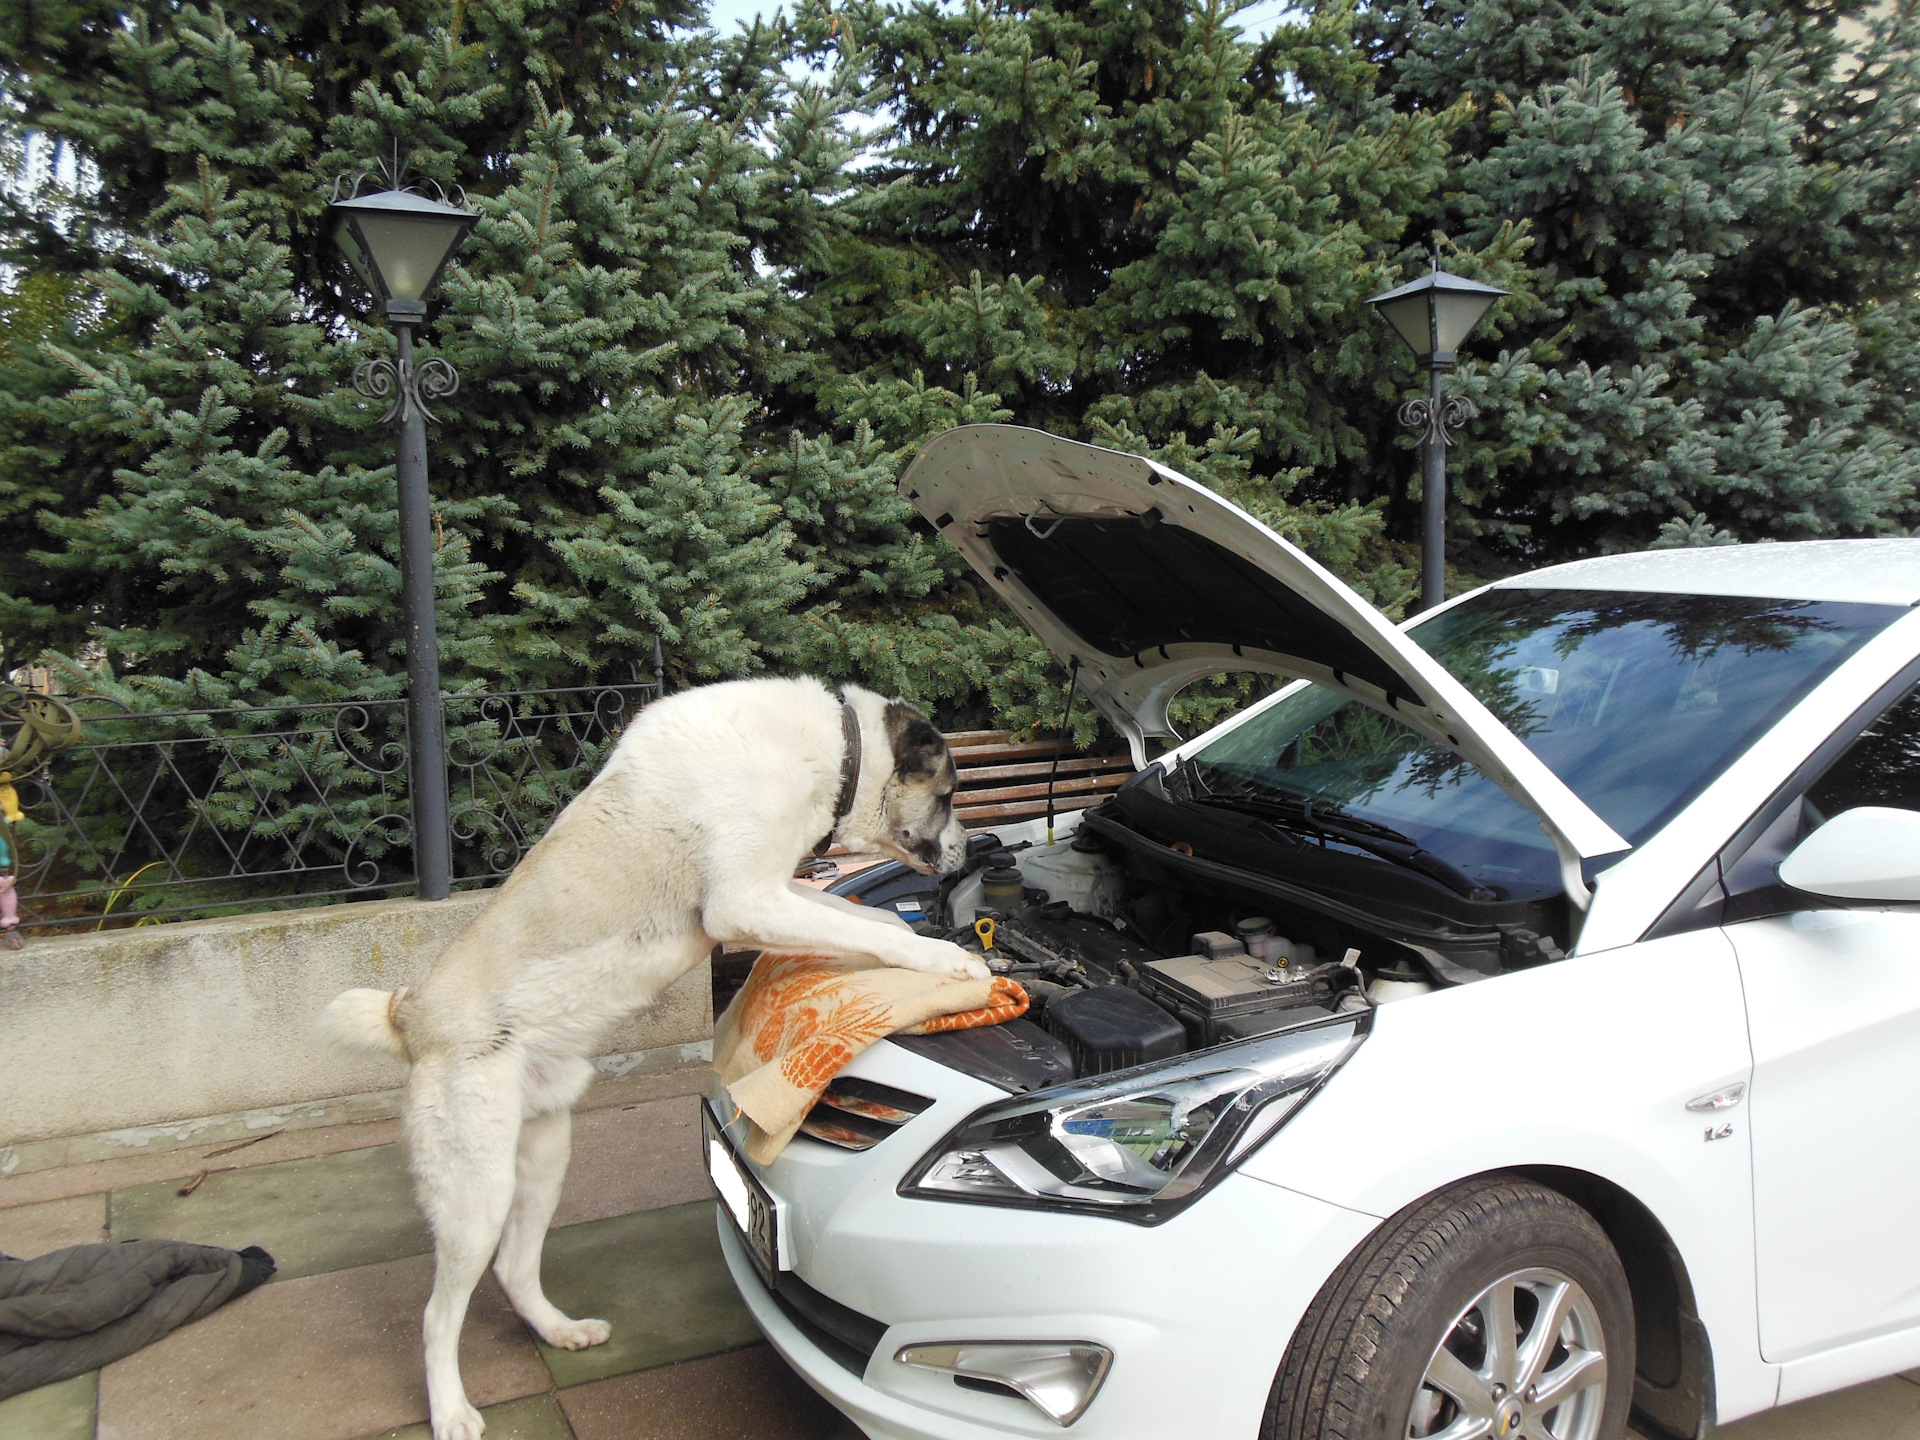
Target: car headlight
1138,1144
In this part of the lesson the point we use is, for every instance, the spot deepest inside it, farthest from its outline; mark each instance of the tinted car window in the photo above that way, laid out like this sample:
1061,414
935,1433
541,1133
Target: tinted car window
1637,701
1882,767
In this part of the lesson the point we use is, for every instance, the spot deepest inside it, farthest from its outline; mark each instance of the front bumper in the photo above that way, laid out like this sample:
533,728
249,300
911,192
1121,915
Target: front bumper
1197,1311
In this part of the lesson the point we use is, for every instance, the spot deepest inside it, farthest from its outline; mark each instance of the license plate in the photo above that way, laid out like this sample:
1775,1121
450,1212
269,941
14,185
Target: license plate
743,1197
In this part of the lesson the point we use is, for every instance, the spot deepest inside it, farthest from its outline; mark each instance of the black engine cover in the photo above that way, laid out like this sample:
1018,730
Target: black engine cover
1111,1027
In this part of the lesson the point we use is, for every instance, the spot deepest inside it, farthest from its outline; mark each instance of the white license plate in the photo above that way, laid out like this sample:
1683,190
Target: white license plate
743,1198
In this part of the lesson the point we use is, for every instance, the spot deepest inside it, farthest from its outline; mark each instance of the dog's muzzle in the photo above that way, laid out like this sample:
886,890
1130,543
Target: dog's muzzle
949,852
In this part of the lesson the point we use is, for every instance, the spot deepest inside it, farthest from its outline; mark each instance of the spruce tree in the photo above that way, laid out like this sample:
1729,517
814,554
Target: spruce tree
198,496
1110,222
1114,220
1720,206
1128,225
707,318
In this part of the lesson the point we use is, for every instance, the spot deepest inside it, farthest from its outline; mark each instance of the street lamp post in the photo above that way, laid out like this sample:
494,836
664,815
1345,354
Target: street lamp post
1434,315
399,243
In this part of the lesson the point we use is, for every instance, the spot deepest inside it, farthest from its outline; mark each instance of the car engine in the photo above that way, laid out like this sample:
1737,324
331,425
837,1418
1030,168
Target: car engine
1121,971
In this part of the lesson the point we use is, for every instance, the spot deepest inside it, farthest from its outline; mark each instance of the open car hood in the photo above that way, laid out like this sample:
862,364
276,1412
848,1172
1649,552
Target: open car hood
1147,581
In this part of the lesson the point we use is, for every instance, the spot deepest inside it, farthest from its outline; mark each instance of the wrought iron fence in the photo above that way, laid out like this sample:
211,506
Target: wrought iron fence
201,812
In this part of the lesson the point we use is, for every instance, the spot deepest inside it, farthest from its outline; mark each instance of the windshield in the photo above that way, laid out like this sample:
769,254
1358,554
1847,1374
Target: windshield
1635,701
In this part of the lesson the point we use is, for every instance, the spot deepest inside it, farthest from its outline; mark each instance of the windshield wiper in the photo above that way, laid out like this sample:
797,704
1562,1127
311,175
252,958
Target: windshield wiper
1303,811
1305,818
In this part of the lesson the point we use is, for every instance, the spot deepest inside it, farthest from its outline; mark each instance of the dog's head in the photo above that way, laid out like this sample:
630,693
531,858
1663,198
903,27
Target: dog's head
914,819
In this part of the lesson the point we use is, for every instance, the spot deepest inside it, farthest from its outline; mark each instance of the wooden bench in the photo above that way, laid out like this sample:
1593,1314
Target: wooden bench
1002,780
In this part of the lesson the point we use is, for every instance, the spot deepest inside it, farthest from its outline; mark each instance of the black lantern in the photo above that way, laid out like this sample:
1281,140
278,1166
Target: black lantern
398,242
1434,315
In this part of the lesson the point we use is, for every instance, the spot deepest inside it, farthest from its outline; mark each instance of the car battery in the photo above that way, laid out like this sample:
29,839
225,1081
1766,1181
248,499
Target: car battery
1228,997
1265,1022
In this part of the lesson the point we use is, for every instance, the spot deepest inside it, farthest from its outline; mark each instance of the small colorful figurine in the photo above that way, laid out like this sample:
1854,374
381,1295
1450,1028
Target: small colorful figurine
40,724
10,815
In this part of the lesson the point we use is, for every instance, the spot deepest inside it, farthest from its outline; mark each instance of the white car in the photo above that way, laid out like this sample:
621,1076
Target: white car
1510,1026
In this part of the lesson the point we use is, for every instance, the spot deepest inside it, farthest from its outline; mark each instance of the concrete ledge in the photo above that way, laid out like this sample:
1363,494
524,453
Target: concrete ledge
245,1126
141,1027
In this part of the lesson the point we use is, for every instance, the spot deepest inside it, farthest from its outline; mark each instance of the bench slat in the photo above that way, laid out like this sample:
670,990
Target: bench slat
975,774
1023,750
1074,785
985,816
964,739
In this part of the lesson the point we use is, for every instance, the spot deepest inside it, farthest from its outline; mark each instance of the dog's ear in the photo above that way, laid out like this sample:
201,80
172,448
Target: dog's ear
919,751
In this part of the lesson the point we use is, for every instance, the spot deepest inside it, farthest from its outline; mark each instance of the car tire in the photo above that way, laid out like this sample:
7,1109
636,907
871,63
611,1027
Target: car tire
1367,1361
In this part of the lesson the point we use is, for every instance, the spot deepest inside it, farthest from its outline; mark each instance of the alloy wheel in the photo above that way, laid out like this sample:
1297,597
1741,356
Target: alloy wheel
1526,1360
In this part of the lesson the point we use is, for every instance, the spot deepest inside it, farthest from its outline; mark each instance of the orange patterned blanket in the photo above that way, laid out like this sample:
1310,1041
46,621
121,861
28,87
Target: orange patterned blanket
800,1019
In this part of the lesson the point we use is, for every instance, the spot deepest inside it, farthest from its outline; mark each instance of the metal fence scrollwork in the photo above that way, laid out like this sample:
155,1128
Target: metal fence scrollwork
514,761
40,725
147,816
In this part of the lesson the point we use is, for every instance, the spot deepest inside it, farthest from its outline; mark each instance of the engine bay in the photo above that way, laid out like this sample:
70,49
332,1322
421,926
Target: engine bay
1123,968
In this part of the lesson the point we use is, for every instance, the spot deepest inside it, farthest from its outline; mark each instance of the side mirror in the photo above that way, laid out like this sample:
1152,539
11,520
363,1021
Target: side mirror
1872,853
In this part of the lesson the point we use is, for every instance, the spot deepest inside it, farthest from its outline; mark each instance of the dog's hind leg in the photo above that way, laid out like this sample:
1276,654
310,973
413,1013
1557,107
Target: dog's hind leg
463,1123
546,1144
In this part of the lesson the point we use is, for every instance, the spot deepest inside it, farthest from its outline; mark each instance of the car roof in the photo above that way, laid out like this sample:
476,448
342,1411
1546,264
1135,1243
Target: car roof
1879,572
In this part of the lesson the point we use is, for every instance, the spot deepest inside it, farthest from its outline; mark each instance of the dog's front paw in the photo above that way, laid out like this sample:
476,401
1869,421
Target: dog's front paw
458,1422
579,1334
943,957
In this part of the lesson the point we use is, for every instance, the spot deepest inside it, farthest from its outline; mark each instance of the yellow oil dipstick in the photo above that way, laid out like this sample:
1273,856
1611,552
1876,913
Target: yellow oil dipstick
984,929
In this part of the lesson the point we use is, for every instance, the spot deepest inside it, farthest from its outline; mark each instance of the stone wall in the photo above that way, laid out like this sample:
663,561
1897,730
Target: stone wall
168,1022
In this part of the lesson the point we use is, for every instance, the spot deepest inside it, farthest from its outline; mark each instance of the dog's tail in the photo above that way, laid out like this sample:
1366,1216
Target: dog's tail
364,1020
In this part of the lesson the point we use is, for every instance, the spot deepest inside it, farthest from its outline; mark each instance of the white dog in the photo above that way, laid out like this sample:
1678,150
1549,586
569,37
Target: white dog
688,837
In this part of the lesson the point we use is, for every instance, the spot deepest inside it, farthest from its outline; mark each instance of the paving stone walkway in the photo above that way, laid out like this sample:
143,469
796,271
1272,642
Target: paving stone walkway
330,1348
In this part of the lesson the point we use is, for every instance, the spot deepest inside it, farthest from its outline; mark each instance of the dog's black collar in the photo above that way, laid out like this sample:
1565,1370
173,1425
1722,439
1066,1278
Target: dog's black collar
849,773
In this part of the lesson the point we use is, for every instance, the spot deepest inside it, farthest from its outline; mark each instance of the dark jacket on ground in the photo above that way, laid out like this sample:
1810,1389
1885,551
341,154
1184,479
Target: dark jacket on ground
73,1310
